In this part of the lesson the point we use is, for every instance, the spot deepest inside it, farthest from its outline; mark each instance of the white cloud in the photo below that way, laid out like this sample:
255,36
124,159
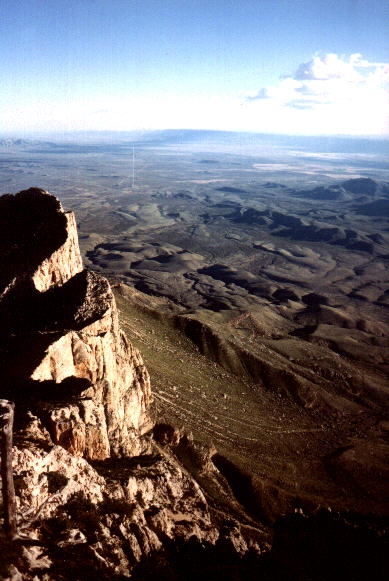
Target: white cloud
337,94
331,66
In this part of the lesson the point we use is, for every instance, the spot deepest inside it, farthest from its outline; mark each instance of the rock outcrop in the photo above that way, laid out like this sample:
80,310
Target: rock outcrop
92,487
63,355
110,516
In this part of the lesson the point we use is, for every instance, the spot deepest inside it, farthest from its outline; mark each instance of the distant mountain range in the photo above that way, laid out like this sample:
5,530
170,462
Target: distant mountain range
166,137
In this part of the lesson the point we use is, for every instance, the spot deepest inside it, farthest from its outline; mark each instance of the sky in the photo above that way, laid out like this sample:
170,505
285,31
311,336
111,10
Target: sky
274,66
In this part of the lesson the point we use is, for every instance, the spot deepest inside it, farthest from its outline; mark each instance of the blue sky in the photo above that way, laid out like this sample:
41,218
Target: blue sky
276,66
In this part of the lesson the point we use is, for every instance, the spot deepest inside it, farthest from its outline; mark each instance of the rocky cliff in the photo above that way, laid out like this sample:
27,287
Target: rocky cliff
63,355
93,489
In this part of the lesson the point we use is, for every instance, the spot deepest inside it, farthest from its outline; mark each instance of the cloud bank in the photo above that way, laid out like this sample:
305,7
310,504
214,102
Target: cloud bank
344,95
327,95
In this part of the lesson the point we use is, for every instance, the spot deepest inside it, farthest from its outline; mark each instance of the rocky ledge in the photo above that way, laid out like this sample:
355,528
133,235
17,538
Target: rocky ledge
91,487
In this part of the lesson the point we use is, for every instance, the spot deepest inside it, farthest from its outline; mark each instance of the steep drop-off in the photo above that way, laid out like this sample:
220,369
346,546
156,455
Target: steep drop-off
93,490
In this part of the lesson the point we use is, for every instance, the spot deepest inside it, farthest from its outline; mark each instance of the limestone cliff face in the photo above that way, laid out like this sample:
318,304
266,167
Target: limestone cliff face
63,355
63,263
111,414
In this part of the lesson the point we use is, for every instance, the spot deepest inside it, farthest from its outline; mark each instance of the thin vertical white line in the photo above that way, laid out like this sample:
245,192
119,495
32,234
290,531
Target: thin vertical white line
133,166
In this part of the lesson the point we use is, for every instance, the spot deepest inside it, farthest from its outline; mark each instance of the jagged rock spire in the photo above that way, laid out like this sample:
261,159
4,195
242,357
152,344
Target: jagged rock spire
63,356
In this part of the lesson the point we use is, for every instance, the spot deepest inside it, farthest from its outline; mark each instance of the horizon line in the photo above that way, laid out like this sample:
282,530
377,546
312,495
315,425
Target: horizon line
20,135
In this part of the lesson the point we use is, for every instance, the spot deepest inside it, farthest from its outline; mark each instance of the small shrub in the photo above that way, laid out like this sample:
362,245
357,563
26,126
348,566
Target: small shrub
116,506
56,481
55,526
84,514
139,499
